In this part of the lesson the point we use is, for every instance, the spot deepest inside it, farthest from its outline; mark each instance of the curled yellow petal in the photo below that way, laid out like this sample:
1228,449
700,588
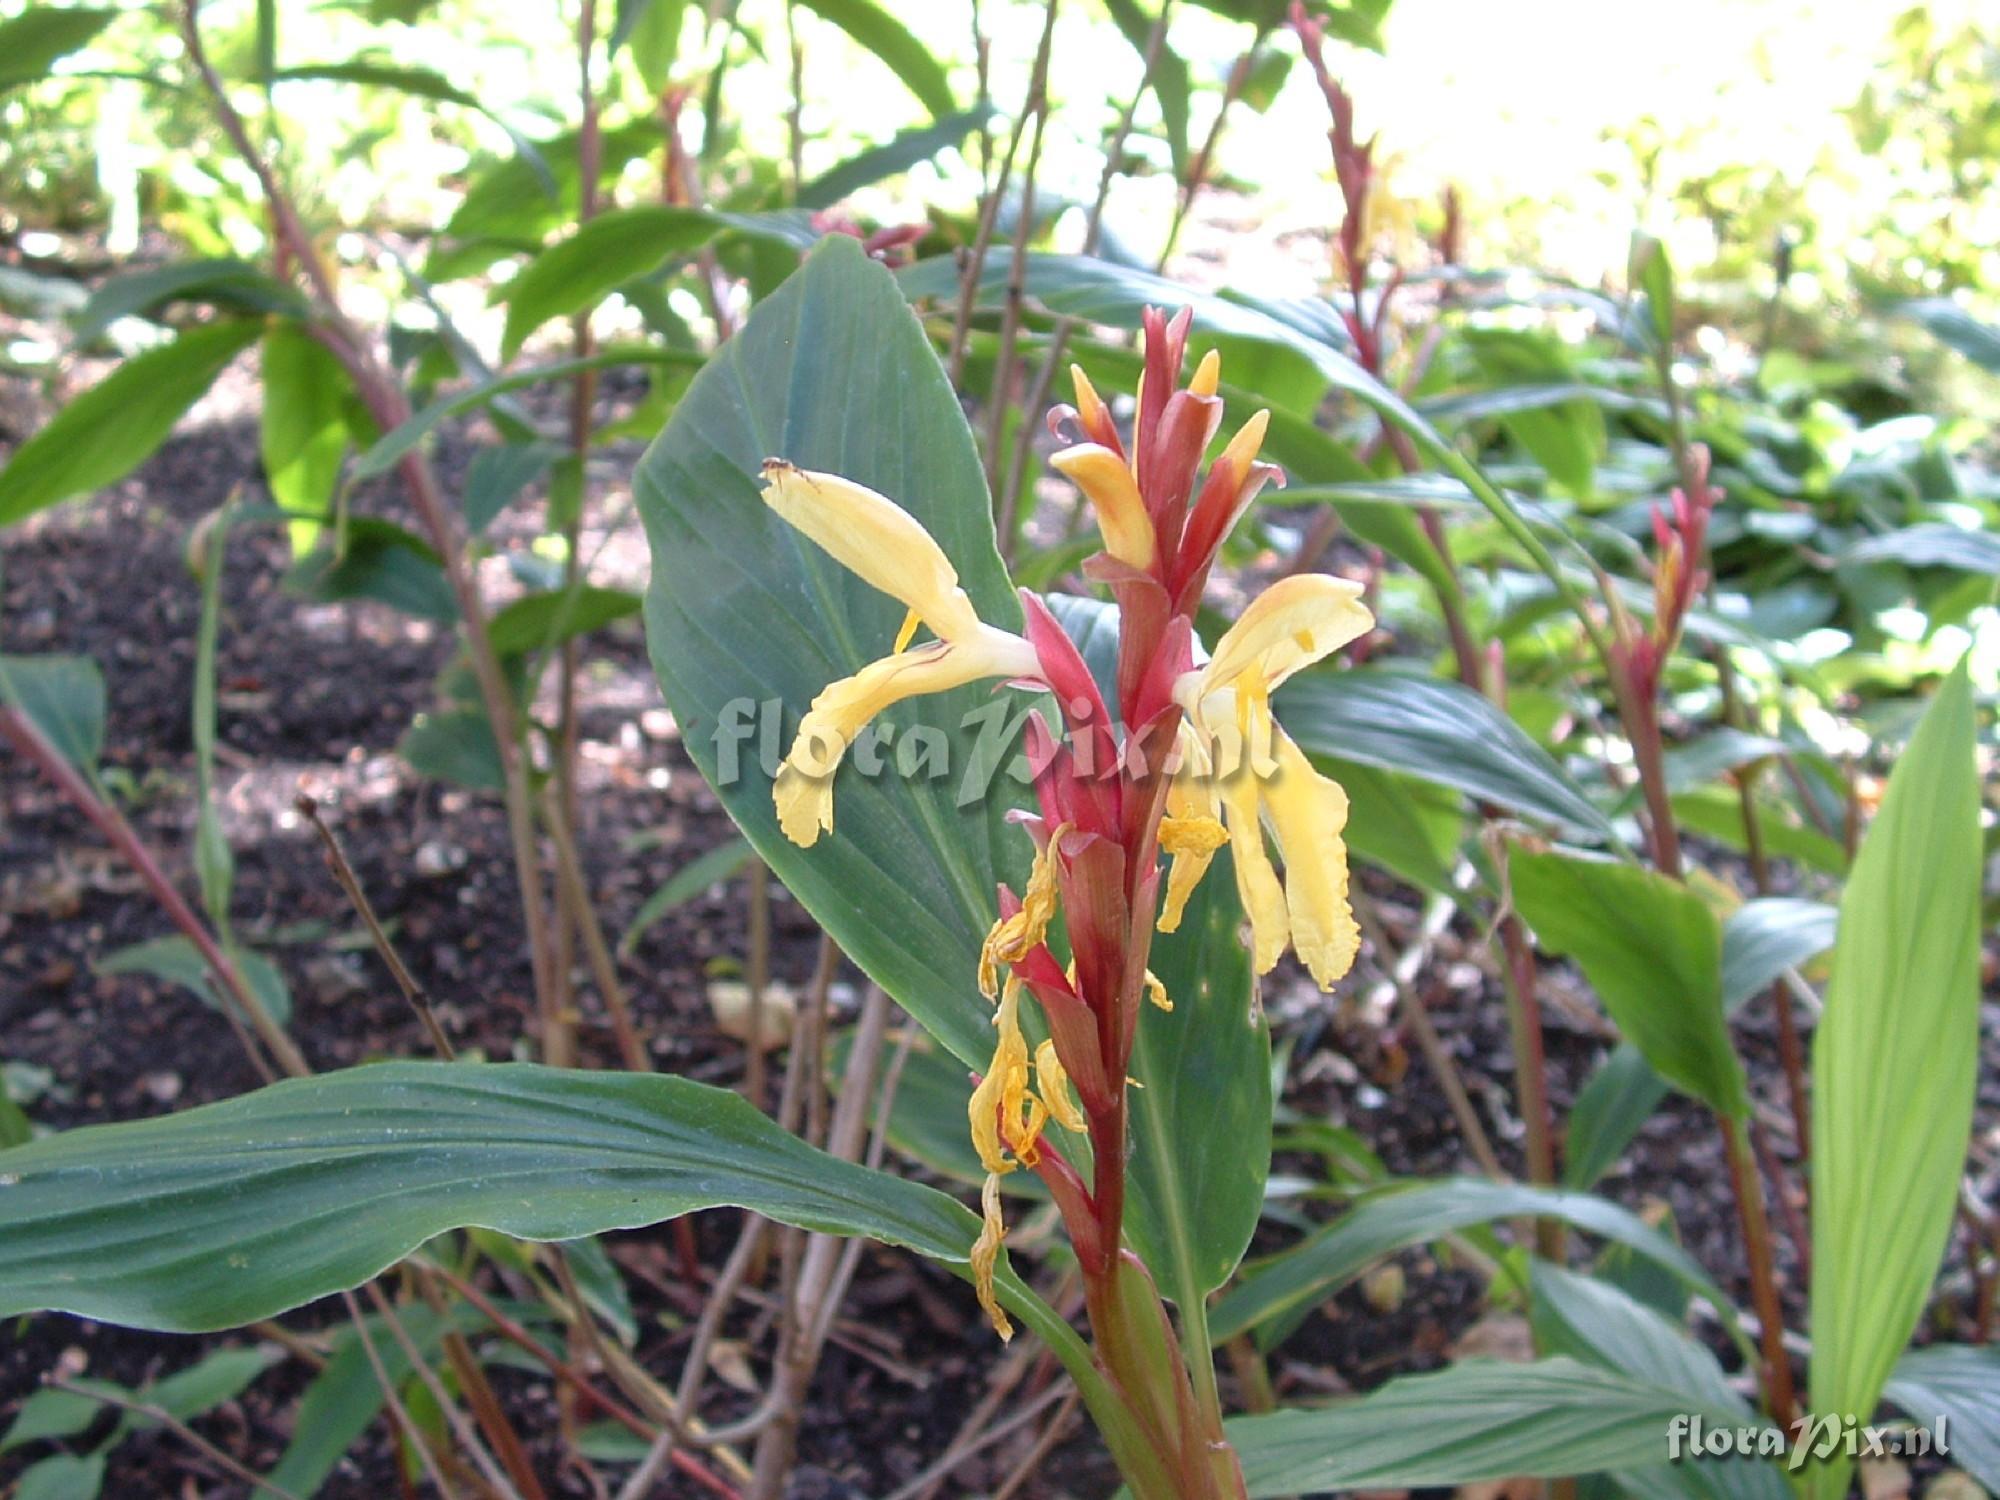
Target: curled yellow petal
1192,841
1012,939
872,536
986,1255
1156,991
1052,1081
1114,495
995,1111
804,790
1256,882
1308,813
1292,624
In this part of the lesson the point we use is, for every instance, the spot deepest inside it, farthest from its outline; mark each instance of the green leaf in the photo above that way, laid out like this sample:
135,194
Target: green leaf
1478,1421
32,43
455,745
63,1476
176,960
725,861
202,1386
1702,760
63,696
1652,950
908,148
1592,1321
229,283
304,430
1895,1060
539,621
53,1413
1931,544
1437,731
423,83
1409,827
110,429
498,474
1201,1123
890,40
1404,1215
833,372
1171,84
1651,275
1716,812
578,271
1960,1383
345,1397
379,560
1952,325
1760,941
230,1212
391,448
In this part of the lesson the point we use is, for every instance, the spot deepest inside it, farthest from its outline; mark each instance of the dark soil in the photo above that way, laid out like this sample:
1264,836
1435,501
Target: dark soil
316,697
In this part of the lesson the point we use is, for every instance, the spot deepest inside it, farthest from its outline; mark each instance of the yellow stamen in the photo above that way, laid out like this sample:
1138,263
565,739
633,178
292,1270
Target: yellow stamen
909,631
986,1255
1156,991
1207,374
1012,939
1192,841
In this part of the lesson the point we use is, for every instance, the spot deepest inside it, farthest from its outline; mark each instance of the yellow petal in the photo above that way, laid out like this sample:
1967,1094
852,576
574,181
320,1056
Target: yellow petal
986,1255
1207,374
1012,939
1242,449
1090,407
1114,496
1256,882
1292,624
1190,829
804,790
872,536
1156,991
1308,812
1052,1081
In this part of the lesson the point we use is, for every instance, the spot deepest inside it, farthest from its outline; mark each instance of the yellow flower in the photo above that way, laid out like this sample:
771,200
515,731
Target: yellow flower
886,547
1236,754
1007,1119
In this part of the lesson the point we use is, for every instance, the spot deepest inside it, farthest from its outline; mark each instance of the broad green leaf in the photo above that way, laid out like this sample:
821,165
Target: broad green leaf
304,430
725,861
1895,1061
1403,1215
204,1385
63,696
1592,1321
230,1212
539,621
578,271
1436,731
1716,812
53,1413
376,559
745,615
109,430
1952,325
908,148
33,42
1478,1421
1931,544
1961,1383
1201,1120
1652,950
1410,828
1760,941
230,283
64,1476
176,960
1702,760
877,29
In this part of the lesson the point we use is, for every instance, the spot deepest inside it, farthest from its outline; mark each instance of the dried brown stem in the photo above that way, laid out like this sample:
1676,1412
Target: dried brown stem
343,872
